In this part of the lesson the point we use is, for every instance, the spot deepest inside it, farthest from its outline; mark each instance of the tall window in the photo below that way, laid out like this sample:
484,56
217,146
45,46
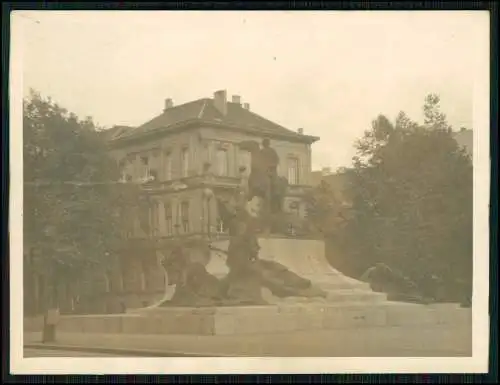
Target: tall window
293,171
295,208
244,160
122,165
153,166
142,277
222,162
144,166
155,218
185,162
129,171
220,227
168,165
107,281
168,219
184,214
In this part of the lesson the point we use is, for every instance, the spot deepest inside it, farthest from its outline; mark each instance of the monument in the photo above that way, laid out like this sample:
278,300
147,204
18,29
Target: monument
255,283
248,277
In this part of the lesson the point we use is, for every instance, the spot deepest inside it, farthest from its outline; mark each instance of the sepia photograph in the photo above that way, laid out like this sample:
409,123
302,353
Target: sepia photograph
252,192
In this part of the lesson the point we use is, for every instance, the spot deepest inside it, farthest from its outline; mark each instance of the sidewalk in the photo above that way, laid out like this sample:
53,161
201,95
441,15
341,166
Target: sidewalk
436,341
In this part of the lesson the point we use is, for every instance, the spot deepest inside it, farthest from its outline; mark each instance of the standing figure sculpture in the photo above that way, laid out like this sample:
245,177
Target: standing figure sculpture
271,160
264,181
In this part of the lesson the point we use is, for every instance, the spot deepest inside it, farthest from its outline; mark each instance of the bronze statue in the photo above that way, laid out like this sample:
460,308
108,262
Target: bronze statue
264,181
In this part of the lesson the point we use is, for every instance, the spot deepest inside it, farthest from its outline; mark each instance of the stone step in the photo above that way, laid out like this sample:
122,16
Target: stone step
339,285
281,317
355,296
358,297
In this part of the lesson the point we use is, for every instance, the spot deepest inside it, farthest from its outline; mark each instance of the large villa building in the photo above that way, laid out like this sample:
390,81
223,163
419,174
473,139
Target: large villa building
194,146
189,153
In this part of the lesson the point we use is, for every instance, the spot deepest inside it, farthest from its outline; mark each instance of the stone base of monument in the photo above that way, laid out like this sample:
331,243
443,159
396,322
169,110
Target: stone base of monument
282,318
350,304
305,257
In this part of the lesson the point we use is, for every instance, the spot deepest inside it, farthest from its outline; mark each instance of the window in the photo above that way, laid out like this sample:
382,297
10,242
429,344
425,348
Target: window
245,160
168,219
143,278
185,217
126,166
295,208
168,165
220,227
154,165
122,166
222,162
293,171
185,162
121,277
155,218
107,282
153,174
144,166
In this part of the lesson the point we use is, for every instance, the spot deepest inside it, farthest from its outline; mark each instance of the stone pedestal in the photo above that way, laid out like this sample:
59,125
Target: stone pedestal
305,257
269,319
350,304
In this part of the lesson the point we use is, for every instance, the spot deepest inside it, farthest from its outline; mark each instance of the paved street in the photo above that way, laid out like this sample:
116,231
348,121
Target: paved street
61,353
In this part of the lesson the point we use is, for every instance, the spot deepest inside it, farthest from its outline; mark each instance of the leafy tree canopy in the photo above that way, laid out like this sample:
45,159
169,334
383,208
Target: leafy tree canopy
74,211
410,190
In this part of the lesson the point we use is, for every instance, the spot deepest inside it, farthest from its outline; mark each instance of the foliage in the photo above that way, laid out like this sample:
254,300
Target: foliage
326,213
73,209
411,193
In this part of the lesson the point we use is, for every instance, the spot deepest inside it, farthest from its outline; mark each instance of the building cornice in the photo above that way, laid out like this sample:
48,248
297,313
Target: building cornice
127,140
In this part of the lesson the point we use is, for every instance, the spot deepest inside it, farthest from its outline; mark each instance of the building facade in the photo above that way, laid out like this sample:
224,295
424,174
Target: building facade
187,155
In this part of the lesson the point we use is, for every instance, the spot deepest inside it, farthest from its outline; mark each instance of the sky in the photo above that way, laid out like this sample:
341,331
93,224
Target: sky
330,73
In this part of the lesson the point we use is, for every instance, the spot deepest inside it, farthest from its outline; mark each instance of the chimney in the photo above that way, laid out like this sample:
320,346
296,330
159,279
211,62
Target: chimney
236,99
168,104
300,131
220,101
246,106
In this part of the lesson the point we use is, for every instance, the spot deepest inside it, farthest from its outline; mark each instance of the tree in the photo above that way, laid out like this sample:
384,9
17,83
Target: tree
73,208
411,193
326,213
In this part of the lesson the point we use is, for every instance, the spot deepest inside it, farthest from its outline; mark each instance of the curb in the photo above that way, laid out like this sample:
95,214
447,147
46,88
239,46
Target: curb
121,351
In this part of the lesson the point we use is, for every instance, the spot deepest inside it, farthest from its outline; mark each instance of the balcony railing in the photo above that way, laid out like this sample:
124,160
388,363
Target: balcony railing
212,180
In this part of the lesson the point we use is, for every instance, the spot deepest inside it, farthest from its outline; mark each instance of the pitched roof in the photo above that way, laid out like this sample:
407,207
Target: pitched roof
204,110
116,131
